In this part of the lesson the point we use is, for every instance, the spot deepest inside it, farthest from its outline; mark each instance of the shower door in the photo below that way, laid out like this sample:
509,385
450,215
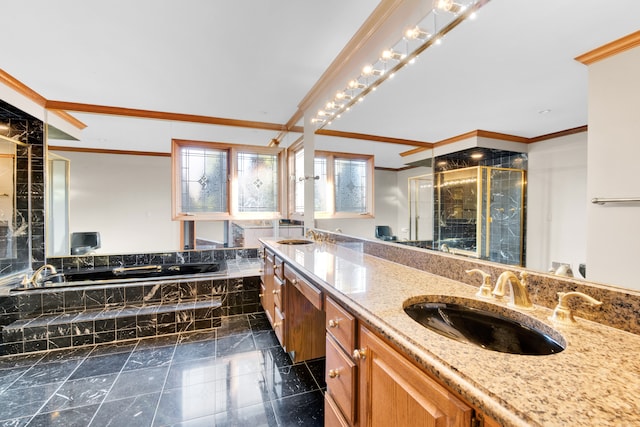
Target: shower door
421,208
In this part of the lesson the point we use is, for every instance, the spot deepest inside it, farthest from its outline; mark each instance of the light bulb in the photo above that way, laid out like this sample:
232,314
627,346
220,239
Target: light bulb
341,96
391,54
354,84
447,6
368,70
416,33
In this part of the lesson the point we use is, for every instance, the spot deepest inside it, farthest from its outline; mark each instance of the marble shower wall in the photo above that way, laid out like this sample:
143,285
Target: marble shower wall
30,188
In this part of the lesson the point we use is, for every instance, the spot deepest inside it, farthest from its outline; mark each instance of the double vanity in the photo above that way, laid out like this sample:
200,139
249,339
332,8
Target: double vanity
402,343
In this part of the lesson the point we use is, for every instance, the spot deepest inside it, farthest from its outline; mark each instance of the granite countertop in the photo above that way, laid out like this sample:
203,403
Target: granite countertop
594,381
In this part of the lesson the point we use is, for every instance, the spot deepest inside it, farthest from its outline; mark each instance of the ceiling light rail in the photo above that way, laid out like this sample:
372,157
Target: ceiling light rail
444,16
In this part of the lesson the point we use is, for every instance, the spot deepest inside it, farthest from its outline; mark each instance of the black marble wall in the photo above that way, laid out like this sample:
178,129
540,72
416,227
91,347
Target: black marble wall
89,262
30,187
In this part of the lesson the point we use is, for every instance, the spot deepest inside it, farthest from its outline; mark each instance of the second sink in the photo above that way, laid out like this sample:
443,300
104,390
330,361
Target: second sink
459,320
295,242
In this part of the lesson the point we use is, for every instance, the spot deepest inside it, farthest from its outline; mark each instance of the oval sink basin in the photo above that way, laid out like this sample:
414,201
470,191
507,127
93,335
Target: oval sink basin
294,242
488,329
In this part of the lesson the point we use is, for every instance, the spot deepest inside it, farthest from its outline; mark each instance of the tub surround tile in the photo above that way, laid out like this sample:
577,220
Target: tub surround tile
56,317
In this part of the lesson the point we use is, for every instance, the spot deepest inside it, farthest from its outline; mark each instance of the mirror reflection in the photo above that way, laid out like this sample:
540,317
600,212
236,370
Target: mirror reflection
10,222
130,209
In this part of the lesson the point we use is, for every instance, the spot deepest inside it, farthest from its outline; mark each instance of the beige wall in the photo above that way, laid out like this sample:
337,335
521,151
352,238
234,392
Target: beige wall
613,158
125,198
557,202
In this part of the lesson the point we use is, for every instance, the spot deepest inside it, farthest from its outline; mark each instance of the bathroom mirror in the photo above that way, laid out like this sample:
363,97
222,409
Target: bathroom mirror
11,223
14,213
446,97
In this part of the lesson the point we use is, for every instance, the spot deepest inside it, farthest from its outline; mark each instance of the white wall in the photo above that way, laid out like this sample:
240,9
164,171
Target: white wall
403,207
126,198
614,149
557,202
386,201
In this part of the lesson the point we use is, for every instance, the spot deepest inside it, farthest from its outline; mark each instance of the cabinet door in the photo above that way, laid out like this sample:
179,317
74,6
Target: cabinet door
305,327
341,376
266,294
332,415
393,392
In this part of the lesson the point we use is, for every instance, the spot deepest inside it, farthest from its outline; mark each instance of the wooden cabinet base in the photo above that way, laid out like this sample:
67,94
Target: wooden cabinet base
305,327
332,415
393,392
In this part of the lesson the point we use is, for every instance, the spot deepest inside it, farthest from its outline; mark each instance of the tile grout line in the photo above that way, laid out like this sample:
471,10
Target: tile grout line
164,383
112,384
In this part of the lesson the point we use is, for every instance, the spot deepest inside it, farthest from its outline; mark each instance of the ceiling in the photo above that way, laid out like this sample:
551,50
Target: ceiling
257,60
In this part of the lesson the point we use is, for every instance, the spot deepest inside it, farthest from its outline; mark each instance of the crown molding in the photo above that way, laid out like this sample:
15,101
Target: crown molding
160,115
610,49
375,138
107,151
24,90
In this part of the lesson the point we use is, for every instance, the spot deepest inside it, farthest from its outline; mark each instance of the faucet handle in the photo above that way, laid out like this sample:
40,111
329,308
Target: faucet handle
485,289
562,313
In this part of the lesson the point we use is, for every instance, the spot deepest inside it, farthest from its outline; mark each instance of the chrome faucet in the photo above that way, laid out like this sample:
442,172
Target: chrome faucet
519,296
35,278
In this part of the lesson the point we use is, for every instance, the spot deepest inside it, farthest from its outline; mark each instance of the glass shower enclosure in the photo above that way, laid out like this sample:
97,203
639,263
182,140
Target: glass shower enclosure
479,212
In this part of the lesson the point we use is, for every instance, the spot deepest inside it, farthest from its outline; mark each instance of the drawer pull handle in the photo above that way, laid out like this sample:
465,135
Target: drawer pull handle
334,373
277,324
276,266
261,295
359,353
275,292
294,282
333,323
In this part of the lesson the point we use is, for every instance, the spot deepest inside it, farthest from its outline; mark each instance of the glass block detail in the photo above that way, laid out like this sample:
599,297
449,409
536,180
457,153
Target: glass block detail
257,182
204,173
351,185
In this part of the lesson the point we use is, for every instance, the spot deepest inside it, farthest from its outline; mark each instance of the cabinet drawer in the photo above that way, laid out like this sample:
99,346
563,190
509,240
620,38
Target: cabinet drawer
269,256
278,325
340,377
278,293
310,292
278,266
341,325
332,415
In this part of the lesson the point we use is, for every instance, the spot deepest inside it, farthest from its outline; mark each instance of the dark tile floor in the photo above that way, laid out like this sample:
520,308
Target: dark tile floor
236,375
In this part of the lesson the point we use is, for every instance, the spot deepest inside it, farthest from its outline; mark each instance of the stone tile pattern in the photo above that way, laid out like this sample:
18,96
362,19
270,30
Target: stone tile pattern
619,309
29,193
233,256
47,319
234,375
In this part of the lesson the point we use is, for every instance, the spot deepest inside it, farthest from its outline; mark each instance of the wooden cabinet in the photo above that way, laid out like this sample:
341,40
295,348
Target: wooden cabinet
332,415
394,392
341,372
305,318
369,383
294,307
266,285
272,293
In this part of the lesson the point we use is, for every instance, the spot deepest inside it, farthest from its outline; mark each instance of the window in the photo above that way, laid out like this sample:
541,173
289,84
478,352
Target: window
343,188
221,181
